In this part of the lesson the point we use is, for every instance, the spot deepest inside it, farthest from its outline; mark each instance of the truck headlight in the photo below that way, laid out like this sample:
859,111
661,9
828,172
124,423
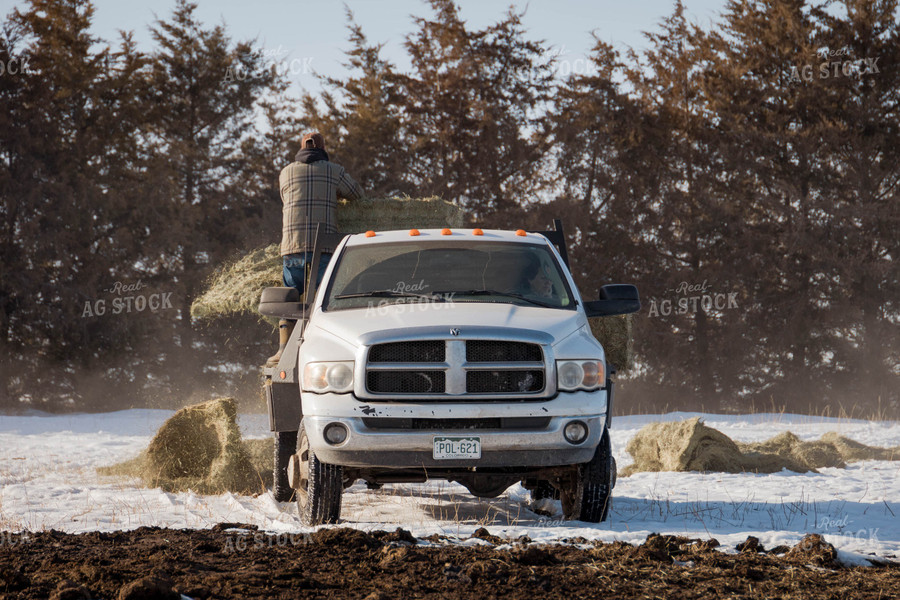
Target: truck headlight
580,374
322,377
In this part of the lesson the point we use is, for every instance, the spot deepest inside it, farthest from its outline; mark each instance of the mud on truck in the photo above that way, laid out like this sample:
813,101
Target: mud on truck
463,355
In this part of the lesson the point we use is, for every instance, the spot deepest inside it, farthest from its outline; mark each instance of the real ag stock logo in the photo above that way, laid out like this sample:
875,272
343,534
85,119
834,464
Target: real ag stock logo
690,299
837,63
270,64
127,301
841,526
243,541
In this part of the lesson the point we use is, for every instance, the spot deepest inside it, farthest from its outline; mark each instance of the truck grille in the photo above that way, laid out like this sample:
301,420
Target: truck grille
425,351
495,351
405,382
456,369
504,382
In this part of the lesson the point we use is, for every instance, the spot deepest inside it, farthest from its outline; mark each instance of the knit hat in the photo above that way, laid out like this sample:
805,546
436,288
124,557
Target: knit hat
312,140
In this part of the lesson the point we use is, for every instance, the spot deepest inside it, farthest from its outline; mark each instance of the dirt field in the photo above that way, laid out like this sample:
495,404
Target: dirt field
345,563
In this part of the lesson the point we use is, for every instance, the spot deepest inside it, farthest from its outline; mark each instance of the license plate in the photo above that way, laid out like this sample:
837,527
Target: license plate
446,447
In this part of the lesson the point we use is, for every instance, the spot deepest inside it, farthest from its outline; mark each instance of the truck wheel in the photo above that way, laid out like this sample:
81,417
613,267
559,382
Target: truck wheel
319,486
285,445
597,480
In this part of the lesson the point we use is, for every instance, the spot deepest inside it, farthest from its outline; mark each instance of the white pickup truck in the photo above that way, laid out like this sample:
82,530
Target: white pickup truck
461,354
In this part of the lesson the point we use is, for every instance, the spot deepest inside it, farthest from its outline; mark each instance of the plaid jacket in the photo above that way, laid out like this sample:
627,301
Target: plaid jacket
309,193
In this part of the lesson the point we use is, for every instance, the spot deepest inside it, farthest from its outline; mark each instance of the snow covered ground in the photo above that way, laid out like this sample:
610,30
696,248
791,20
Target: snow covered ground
48,480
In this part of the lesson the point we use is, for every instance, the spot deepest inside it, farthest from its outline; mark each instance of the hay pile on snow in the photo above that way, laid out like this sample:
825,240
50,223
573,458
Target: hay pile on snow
814,455
853,451
235,287
616,336
692,446
689,446
200,448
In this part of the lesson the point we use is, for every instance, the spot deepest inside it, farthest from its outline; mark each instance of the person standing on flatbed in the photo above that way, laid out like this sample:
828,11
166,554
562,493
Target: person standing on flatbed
310,187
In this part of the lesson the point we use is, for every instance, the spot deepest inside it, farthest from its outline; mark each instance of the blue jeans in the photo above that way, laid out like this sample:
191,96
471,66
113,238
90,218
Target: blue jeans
294,270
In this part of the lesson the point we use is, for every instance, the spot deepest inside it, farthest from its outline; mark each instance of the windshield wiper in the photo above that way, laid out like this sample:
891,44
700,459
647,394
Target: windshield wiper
390,294
497,293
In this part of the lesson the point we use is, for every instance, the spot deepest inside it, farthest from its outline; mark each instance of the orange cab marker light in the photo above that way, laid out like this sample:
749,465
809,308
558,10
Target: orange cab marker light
282,375
446,231
477,232
370,233
413,232
520,232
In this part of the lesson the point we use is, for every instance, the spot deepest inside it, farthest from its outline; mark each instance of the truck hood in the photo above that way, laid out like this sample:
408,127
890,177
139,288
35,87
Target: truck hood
365,326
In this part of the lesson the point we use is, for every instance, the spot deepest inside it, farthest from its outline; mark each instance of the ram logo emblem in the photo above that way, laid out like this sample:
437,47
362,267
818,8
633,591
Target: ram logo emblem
454,331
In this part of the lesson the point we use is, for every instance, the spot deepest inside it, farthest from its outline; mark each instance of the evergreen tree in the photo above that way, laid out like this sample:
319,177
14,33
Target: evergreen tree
864,227
205,90
468,105
597,150
68,225
773,128
360,119
684,223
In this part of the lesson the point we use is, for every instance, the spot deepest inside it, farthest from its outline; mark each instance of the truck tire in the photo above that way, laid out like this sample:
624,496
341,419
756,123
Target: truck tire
320,486
597,480
285,446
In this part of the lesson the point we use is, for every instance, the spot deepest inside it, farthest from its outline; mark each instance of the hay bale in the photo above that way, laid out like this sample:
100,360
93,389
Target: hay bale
398,213
235,286
692,446
763,462
198,448
686,446
616,336
831,450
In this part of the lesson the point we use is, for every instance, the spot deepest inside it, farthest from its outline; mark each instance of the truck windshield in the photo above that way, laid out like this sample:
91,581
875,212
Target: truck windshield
465,271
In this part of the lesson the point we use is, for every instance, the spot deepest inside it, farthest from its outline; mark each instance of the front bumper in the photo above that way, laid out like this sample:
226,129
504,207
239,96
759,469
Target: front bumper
411,448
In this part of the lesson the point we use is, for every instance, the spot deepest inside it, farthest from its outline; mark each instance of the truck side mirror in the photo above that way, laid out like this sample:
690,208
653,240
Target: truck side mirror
615,299
281,303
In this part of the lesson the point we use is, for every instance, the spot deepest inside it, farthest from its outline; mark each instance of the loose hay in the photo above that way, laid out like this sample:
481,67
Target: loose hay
815,455
615,334
235,287
200,448
852,450
692,446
